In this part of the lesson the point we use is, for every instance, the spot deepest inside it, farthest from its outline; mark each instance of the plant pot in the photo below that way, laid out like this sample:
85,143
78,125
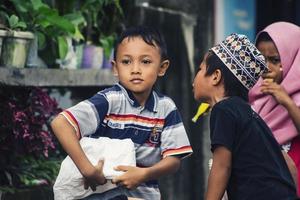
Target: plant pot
15,48
107,61
92,57
33,59
70,60
79,53
3,34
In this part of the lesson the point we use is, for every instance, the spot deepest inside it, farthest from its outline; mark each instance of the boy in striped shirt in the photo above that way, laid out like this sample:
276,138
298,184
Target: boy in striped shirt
130,109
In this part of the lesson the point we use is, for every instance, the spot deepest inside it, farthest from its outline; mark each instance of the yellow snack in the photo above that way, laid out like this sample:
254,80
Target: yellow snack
201,109
269,80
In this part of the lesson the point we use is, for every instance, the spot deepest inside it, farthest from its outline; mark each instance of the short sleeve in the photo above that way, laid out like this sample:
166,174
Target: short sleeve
174,140
222,129
86,115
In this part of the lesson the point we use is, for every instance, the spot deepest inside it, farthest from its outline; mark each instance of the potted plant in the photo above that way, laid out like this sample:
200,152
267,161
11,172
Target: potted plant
47,25
101,20
15,43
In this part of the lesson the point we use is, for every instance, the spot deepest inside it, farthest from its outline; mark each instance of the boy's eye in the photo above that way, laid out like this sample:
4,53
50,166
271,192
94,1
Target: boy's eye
146,61
125,61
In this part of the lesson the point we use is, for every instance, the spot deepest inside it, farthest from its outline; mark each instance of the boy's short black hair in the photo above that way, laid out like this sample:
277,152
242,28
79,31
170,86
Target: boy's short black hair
232,86
150,35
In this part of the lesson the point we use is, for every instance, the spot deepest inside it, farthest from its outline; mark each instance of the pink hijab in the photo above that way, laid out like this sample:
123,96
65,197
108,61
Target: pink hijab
286,37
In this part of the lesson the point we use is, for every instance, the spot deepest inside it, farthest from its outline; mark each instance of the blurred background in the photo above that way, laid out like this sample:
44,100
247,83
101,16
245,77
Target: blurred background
190,28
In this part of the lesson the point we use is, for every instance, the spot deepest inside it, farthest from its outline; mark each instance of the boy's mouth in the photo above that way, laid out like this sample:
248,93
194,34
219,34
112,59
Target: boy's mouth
136,80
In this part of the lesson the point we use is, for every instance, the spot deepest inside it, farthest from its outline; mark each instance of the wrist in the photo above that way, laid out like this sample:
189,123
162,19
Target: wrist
147,174
289,104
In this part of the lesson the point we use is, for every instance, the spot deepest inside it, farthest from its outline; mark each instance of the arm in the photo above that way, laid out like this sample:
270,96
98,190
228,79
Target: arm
134,176
282,97
292,167
219,174
294,112
66,135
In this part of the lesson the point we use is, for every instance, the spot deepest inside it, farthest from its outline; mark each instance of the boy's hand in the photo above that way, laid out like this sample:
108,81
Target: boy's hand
268,86
132,177
96,177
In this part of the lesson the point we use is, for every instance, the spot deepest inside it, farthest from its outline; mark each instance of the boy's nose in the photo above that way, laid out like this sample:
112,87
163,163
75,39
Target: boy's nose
136,68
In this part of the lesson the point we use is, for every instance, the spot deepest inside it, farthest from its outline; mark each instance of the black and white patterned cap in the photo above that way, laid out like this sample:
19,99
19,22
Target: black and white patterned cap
242,58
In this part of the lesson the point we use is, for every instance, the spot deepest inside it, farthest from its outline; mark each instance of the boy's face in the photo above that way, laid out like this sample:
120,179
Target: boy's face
138,65
201,83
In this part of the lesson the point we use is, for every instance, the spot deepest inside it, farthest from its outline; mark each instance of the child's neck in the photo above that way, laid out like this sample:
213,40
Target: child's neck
217,95
141,98
217,99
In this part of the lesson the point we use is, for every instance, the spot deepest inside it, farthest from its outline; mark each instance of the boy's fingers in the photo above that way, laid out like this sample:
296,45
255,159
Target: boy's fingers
93,187
102,181
101,163
86,186
115,180
121,168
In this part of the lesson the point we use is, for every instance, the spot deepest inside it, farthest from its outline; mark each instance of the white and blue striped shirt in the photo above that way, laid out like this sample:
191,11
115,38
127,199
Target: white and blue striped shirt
156,129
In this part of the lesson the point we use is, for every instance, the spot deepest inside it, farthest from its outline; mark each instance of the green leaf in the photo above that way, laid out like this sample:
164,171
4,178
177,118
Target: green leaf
107,44
62,23
37,4
118,5
41,40
78,35
62,47
22,25
21,5
76,18
13,21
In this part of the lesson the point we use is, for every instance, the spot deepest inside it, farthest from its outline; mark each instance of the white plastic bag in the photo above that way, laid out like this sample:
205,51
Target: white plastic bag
69,182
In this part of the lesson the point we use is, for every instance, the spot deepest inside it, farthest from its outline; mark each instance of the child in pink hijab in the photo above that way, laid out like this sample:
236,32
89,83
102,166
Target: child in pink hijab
276,96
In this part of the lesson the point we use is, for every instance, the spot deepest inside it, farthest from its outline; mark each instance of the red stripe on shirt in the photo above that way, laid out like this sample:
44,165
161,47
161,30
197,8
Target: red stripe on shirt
76,122
184,149
136,118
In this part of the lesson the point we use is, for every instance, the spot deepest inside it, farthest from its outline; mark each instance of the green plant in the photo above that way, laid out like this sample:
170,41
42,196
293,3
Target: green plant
44,21
29,152
107,44
100,16
101,20
15,23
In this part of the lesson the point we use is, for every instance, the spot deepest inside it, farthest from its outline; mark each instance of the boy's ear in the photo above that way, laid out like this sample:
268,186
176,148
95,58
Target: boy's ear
217,77
114,66
163,67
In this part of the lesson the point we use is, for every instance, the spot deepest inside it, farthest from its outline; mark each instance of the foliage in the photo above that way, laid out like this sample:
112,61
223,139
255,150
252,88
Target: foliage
44,21
15,23
92,21
29,153
108,44
102,18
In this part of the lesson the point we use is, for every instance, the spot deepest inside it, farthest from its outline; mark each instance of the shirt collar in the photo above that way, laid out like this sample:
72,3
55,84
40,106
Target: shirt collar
150,103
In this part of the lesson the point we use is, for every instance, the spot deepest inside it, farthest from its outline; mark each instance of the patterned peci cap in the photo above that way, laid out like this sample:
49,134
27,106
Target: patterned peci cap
242,58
